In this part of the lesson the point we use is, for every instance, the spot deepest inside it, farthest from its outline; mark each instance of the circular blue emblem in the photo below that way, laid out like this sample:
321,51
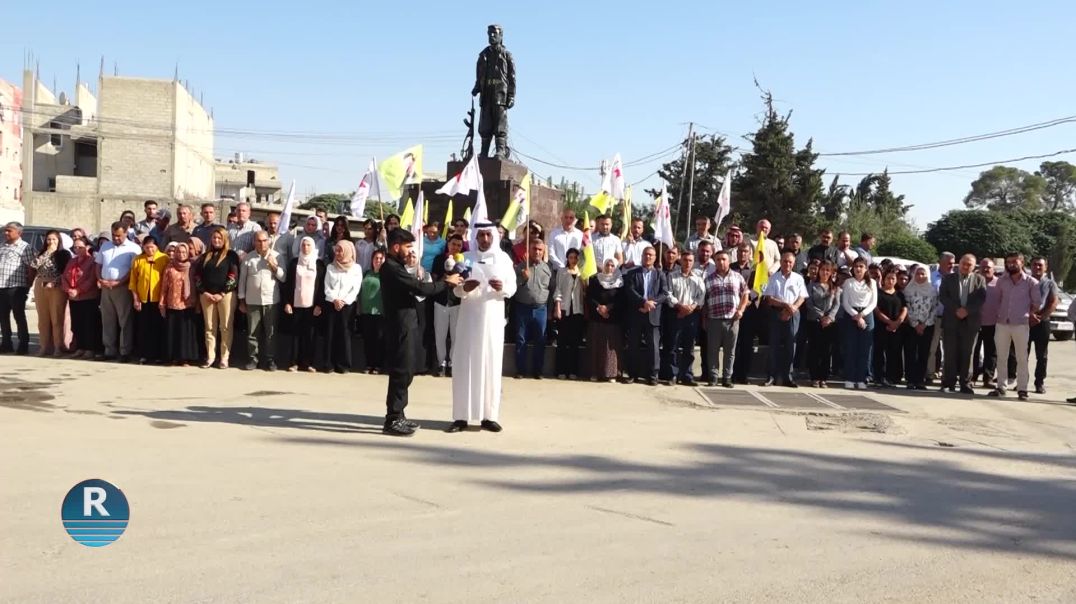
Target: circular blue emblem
95,513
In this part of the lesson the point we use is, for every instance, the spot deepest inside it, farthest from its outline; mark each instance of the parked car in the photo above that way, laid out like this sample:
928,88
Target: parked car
1060,325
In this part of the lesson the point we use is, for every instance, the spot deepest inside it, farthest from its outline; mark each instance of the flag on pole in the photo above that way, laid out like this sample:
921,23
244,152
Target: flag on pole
616,178
626,217
519,209
358,200
464,182
401,170
663,230
285,214
416,224
448,220
762,267
724,201
425,211
467,216
407,217
588,267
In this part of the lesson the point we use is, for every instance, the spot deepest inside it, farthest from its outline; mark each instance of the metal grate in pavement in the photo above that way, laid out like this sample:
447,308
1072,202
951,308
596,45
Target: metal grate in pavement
858,401
770,399
723,397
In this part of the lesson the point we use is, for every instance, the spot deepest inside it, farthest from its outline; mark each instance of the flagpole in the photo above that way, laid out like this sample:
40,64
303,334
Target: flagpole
683,173
690,189
377,185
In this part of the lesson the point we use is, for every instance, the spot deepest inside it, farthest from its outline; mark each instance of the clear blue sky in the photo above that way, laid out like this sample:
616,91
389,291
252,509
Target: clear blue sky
594,78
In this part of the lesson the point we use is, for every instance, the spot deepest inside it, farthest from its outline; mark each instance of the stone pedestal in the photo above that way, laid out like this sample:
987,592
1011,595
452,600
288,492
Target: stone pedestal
500,177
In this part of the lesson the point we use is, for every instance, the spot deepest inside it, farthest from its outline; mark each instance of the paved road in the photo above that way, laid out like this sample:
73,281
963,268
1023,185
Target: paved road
279,488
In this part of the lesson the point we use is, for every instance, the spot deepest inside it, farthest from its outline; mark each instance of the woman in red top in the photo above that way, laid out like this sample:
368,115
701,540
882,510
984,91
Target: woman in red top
80,285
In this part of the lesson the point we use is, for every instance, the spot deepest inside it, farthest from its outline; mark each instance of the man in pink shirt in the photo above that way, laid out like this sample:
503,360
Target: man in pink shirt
1018,299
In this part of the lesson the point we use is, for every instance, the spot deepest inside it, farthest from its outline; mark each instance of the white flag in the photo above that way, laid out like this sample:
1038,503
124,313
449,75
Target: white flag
663,230
285,215
417,225
466,181
358,200
724,201
523,211
616,188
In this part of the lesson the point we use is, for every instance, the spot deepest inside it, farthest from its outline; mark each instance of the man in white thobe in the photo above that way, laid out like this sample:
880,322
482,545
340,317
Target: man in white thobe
478,353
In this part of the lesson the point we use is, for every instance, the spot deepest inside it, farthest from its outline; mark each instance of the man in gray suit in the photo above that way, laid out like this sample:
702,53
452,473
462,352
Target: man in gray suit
962,294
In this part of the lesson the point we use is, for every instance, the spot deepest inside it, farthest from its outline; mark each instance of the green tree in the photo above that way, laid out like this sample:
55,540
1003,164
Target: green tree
1053,235
712,159
875,191
909,247
333,203
1060,189
777,181
985,234
1005,188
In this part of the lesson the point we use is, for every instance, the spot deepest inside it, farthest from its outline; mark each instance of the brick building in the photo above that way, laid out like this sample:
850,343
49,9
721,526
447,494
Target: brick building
137,139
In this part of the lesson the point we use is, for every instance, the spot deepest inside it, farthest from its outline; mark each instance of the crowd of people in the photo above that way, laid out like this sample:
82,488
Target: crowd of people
154,291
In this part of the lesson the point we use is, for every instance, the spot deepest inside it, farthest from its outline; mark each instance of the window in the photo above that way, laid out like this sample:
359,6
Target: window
56,140
52,185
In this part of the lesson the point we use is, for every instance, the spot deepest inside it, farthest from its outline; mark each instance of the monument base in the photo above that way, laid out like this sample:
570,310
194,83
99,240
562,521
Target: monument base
501,177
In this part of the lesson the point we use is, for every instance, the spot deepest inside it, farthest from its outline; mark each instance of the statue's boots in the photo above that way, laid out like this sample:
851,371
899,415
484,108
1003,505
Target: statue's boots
485,146
502,147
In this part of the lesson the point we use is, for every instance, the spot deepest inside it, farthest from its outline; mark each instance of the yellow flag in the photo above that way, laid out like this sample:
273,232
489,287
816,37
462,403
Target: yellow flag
408,216
425,214
589,267
467,216
602,201
518,210
762,268
448,219
400,170
627,214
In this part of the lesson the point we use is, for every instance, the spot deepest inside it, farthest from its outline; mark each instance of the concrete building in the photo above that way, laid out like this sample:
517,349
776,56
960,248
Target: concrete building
10,153
242,179
138,139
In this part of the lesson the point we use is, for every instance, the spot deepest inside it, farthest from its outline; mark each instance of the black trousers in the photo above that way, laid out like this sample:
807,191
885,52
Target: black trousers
958,340
86,325
819,347
13,302
571,331
304,333
150,332
888,353
988,365
400,335
745,343
645,359
916,353
1038,338
339,337
373,336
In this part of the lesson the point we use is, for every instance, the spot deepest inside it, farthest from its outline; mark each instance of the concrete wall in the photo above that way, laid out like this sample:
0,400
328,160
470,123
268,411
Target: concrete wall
11,133
82,210
136,120
193,164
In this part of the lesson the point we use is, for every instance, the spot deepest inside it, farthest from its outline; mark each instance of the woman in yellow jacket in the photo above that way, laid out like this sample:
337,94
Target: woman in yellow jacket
147,272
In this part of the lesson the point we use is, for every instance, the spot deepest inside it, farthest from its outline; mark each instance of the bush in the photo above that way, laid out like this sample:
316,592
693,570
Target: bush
908,247
982,233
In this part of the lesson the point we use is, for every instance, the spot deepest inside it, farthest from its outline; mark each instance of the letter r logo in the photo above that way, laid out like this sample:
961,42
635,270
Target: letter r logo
93,497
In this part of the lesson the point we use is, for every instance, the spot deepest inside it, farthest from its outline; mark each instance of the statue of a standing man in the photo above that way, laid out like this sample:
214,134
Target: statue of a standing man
496,81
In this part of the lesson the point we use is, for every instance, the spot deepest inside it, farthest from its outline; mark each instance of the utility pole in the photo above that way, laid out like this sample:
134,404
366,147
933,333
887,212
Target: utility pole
683,175
690,189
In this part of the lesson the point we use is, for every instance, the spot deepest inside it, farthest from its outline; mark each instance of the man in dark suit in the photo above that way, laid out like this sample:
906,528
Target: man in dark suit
398,291
645,292
962,294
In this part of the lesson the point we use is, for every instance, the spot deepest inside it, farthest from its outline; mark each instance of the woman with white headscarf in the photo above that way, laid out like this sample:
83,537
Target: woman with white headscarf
922,301
303,295
312,229
605,337
343,280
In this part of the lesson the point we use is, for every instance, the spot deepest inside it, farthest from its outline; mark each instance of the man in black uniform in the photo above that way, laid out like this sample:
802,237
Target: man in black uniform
496,81
398,291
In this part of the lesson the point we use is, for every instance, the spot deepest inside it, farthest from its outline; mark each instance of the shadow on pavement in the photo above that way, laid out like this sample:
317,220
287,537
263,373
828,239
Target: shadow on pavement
278,418
933,501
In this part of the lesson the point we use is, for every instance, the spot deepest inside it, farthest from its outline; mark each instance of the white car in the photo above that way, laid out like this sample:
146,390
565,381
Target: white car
1061,322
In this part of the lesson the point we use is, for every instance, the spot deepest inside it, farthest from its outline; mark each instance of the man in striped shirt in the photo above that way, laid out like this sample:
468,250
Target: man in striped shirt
15,258
726,299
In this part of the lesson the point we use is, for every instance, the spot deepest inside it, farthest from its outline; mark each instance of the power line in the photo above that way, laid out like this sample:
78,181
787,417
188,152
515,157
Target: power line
962,140
966,166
